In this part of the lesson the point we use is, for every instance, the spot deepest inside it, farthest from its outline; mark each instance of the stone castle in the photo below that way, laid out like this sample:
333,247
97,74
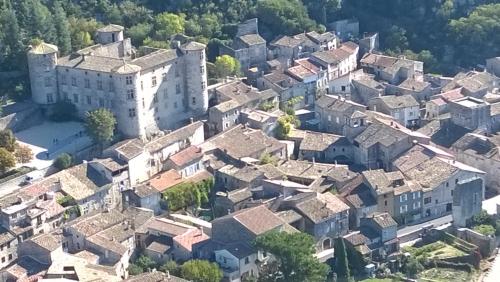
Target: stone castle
148,90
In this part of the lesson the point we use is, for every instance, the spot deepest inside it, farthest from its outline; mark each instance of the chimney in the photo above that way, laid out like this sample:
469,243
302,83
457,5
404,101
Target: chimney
314,161
167,273
392,123
191,120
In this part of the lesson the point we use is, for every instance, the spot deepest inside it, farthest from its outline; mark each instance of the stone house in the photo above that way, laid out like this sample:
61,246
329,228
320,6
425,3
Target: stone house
360,201
438,103
258,119
470,113
233,201
404,109
157,91
380,143
338,62
338,115
8,247
474,84
467,201
248,47
232,237
286,49
44,248
145,159
438,176
326,216
395,194
420,90
493,66
325,148
143,196
367,88
187,162
386,228
391,69
230,99
482,152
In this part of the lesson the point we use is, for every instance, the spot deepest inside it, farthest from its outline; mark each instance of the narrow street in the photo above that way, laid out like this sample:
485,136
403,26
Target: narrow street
435,222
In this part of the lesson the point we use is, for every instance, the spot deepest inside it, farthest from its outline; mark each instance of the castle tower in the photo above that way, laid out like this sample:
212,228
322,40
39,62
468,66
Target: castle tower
128,107
109,34
42,62
196,76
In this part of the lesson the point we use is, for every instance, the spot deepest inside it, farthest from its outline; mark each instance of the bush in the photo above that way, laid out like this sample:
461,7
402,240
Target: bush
63,161
188,194
134,269
485,229
66,201
63,111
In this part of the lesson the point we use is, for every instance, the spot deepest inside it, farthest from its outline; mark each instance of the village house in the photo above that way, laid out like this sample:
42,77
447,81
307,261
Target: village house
338,62
286,49
230,99
482,152
338,115
395,194
470,113
473,83
392,70
145,159
325,148
232,237
418,89
143,196
366,88
377,237
404,109
493,66
438,104
8,247
326,216
164,239
438,174
248,47
360,201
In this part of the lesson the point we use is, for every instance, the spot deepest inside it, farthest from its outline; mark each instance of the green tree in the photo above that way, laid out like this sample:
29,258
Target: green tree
23,153
63,161
294,253
10,36
226,65
267,158
134,269
485,229
138,33
341,263
413,267
145,262
81,31
63,111
62,29
396,39
201,271
168,24
100,125
171,267
7,160
7,140
284,16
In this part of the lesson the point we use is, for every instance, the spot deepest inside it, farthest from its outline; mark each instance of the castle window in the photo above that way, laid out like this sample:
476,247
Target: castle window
153,81
176,71
131,112
155,98
48,82
87,83
50,98
193,101
202,56
164,76
101,102
202,69
111,87
89,100
128,80
75,98
203,85
130,94
178,88
63,79
99,85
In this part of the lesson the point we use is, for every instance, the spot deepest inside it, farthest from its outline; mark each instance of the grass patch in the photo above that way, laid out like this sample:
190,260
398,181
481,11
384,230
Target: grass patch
439,250
447,252
14,173
446,275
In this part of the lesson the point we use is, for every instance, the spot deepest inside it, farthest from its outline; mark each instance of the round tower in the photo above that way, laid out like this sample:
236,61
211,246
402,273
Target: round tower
128,107
109,34
42,63
196,76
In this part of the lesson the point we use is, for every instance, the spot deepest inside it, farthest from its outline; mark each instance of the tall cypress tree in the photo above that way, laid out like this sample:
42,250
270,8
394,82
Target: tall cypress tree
341,264
11,38
62,29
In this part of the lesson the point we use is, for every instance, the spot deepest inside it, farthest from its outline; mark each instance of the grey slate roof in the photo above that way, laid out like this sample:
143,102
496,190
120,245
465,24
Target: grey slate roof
252,39
111,28
380,133
398,102
156,276
317,141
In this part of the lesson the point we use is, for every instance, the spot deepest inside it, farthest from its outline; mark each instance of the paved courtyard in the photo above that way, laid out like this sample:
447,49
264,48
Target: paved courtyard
50,139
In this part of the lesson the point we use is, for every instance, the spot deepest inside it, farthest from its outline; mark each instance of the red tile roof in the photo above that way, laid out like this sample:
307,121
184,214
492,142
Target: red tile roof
188,239
186,156
165,180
